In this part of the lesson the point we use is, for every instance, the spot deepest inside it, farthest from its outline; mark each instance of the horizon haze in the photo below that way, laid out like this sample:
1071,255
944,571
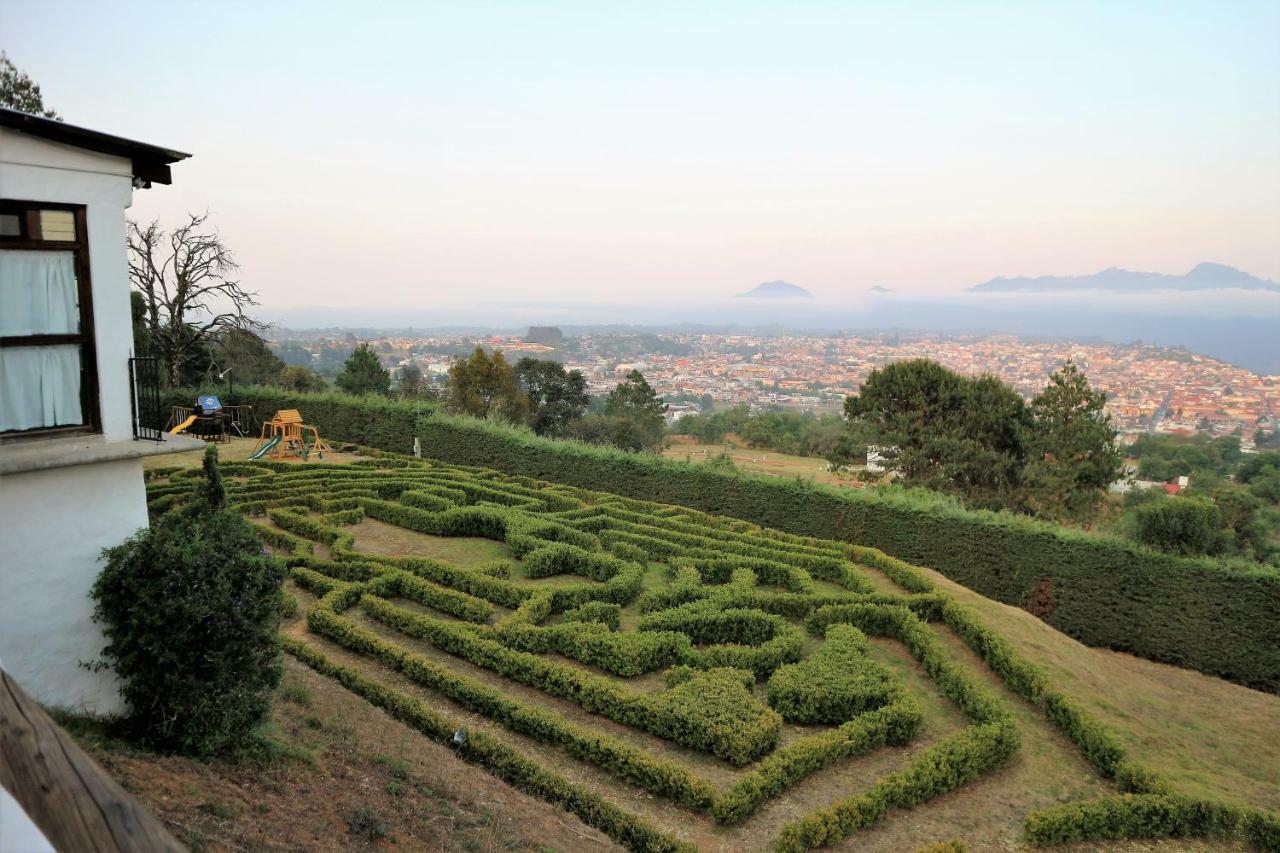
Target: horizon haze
442,157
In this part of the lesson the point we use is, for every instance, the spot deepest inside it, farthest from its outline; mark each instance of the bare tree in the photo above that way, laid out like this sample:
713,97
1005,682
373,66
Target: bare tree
189,295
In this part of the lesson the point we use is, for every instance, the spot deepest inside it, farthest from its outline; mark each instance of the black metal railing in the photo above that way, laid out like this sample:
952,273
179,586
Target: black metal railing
144,397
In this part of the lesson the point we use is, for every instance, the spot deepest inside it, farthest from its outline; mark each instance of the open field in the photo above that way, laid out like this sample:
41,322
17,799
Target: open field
677,679
760,461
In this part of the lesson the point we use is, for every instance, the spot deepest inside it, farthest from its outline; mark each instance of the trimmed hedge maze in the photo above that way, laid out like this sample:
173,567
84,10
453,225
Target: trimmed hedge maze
662,673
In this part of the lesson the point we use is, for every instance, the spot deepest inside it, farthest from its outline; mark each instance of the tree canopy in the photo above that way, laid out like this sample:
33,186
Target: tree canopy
484,385
20,92
363,373
1072,453
555,397
977,438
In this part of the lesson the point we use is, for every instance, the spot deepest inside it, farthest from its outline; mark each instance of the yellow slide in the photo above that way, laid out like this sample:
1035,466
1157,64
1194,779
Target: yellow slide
180,427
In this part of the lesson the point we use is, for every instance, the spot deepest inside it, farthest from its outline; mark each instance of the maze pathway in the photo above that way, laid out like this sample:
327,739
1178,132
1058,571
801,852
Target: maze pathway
674,678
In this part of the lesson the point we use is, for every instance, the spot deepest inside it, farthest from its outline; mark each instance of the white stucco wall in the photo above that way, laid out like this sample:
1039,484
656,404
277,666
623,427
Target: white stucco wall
55,525
36,170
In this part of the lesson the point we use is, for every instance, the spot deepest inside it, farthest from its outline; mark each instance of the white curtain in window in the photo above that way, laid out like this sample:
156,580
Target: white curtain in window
39,387
38,293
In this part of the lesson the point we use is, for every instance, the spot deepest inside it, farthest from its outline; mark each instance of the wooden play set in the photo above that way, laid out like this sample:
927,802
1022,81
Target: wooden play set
285,435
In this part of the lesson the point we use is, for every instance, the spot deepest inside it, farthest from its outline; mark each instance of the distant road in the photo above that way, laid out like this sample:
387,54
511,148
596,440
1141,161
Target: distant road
1160,413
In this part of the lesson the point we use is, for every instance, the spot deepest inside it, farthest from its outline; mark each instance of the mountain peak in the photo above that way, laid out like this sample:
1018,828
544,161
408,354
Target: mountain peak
1205,276
777,290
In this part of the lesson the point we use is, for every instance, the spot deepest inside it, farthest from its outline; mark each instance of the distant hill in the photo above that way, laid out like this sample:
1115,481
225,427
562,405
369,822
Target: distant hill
548,335
777,290
1202,277
879,289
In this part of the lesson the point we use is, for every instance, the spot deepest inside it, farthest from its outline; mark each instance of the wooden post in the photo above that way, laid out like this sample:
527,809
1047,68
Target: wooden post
74,802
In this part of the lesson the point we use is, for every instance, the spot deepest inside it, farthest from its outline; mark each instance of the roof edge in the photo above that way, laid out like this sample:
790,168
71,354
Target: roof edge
150,162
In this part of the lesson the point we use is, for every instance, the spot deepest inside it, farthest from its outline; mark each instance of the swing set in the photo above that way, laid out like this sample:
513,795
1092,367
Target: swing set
285,435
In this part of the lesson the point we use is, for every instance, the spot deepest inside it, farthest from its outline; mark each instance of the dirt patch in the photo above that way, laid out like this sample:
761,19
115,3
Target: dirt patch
360,781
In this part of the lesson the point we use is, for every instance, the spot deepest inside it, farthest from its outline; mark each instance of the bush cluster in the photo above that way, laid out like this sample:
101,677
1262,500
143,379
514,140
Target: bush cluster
504,762
834,684
190,608
1152,816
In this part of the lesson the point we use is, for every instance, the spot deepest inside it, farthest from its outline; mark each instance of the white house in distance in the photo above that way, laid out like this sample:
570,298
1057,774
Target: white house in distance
70,454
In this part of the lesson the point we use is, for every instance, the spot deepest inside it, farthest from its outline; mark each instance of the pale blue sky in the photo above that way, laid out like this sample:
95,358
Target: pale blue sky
419,153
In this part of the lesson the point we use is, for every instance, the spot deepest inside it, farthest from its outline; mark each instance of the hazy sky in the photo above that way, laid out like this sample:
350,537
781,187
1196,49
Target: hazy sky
416,154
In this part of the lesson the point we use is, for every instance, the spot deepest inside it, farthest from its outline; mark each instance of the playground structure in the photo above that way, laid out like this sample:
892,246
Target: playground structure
285,435
210,420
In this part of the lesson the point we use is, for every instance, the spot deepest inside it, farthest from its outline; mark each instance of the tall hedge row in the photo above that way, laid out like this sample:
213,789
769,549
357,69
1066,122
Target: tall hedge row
1214,616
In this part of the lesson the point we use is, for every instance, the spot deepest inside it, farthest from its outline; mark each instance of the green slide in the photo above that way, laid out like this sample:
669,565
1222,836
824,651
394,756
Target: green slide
266,448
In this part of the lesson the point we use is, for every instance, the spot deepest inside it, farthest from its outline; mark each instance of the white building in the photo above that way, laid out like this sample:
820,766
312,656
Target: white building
70,462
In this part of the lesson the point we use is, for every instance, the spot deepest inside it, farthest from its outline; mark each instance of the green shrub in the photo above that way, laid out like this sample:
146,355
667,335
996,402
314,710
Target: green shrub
191,611
1151,816
1188,526
834,684
596,611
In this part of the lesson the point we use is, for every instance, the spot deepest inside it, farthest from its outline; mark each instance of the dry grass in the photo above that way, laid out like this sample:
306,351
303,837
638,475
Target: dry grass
358,780
1211,737
761,462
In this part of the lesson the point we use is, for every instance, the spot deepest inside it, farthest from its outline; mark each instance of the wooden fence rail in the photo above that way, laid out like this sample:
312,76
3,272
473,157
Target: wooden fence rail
74,802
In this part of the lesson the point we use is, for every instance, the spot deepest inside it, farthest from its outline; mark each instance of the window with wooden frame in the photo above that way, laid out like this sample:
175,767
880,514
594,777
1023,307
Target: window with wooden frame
48,371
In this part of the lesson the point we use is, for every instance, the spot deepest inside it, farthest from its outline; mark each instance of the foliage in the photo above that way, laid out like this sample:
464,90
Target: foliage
190,609
499,759
1213,615
1072,454
1164,458
834,684
555,397
797,433
1151,816
20,92
1188,526
363,373
622,433
1261,473
247,356
635,398
409,382
485,385
633,418
293,377
940,430
557,531
188,294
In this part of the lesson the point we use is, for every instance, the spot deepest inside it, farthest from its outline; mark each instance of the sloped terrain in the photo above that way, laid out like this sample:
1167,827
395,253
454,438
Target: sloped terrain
677,679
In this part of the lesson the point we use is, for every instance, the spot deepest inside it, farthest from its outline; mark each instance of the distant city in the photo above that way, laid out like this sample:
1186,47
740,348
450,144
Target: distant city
1149,388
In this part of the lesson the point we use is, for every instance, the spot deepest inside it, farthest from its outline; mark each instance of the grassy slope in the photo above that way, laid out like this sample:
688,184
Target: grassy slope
761,461
1210,737
340,760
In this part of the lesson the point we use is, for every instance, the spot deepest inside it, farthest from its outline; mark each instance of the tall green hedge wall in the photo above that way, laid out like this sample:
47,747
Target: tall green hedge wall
1216,616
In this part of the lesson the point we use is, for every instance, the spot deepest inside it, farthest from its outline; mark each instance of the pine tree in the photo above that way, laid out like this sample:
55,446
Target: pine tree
364,374
1072,454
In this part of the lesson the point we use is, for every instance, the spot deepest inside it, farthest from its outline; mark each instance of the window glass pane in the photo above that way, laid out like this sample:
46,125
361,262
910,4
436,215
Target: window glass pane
10,225
57,225
39,387
38,293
